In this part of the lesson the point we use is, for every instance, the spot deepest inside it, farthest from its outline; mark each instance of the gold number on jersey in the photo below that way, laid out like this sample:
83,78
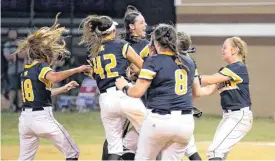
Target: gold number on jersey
27,91
111,65
181,82
100,71
98,67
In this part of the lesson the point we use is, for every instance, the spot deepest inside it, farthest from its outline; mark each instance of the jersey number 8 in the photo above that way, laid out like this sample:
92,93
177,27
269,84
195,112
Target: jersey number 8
27,92
98,67
181,82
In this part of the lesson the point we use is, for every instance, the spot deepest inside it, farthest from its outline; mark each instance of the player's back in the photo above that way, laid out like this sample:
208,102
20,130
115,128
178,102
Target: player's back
110,63
171,88
36,90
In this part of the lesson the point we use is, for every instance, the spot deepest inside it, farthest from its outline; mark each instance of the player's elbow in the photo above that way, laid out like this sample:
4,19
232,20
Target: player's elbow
196,94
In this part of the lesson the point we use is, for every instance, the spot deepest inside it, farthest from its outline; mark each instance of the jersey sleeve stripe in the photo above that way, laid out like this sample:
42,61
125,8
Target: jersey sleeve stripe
125,50
43,72
42,75
234,76
196,73
147,74
144,52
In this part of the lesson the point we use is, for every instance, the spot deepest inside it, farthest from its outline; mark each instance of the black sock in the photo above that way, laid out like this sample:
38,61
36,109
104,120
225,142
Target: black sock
105,151
216,158
71,158
113,157
195,156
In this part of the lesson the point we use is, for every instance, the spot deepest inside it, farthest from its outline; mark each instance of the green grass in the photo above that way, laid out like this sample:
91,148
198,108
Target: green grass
87,128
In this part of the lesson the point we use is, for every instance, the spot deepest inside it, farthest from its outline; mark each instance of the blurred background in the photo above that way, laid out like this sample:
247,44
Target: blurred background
209,22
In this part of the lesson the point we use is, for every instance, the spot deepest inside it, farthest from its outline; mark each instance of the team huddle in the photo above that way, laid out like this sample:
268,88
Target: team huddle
146,90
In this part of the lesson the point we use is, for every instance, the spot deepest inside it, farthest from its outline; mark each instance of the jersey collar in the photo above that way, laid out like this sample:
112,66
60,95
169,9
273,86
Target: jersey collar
31,65
108,38
169,53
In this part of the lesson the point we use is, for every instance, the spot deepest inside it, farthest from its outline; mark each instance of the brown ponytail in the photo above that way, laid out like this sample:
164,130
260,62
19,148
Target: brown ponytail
93,32
167,37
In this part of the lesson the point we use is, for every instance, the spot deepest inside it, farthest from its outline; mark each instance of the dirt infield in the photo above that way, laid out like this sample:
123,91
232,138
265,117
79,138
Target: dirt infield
242,151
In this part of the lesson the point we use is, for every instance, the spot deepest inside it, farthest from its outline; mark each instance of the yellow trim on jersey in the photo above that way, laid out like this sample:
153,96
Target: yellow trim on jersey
196,72
30,65
231,74
42,78
144,52
147,74
102,48
107,38
169,53
124,50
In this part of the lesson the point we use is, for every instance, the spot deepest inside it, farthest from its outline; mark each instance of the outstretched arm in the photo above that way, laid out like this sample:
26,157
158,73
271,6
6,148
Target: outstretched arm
59,76
64,89
199,91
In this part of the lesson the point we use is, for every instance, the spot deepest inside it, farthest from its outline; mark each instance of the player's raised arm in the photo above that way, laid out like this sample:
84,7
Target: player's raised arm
59,76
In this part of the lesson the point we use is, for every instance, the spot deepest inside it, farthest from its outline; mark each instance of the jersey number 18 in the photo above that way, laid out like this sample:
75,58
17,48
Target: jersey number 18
27,92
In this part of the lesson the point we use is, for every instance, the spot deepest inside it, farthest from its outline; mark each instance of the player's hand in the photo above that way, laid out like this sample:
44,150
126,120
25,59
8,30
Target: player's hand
84,69
131,75
71,85
121,82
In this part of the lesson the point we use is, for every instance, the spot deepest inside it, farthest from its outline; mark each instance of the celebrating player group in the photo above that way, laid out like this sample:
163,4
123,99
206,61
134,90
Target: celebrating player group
146,89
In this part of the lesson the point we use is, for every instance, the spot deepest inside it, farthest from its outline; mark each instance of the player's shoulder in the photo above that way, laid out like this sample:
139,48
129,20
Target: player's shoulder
144,42
153,58
188,60
43,64
237,67
119,42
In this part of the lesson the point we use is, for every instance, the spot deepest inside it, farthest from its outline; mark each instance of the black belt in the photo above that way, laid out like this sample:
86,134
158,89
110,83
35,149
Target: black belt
165,112
226,110
105,90
34,109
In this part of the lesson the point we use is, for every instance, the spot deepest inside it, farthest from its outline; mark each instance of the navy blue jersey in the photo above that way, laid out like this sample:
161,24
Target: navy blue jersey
235,92
110,63
36,89
140,46
171,86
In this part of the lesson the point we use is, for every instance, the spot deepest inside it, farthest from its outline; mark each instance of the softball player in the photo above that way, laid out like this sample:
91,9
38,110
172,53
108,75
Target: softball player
233,84
36,120
174,153
110,58
169,118
134,33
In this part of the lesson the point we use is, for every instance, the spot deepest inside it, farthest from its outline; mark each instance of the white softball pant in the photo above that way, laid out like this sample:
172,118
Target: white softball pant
34,125
175,152
116,107
232,128
159,132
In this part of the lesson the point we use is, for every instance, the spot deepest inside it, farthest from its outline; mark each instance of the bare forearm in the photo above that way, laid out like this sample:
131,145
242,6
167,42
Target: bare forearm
208,90
59,76
56,91
206,80
135,92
